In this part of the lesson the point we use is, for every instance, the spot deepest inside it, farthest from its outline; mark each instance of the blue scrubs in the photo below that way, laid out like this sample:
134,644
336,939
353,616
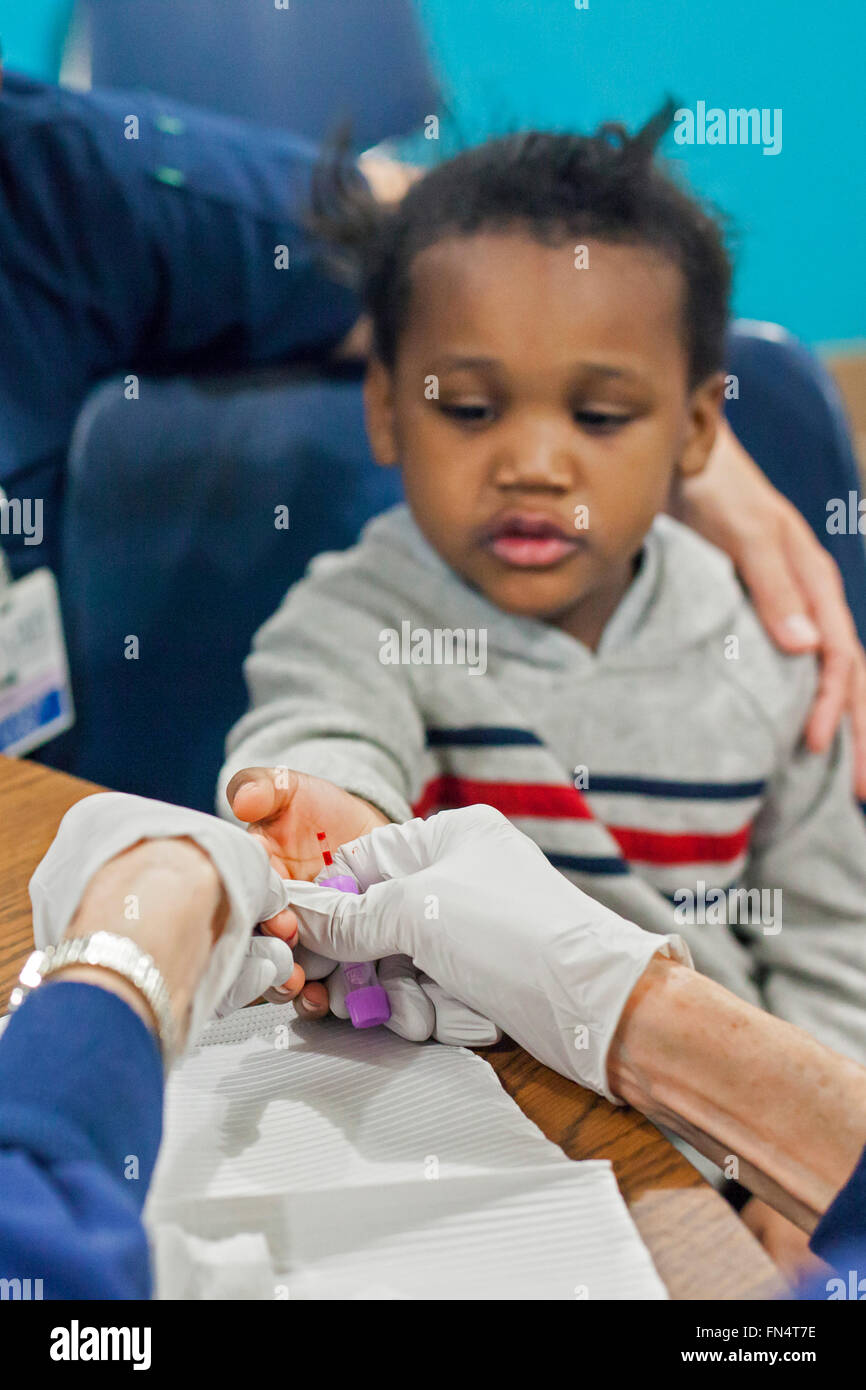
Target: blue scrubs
150,254
81,1087
840,1236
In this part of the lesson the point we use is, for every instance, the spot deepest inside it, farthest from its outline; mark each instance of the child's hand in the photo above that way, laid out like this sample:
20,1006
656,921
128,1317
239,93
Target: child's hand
285,809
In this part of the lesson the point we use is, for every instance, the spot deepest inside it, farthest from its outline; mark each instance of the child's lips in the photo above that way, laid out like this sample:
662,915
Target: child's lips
528,542
531,552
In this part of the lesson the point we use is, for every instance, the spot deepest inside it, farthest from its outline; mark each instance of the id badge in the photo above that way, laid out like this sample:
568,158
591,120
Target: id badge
35,693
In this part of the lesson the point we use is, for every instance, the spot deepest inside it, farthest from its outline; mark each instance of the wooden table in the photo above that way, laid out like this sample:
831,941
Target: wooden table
700,1247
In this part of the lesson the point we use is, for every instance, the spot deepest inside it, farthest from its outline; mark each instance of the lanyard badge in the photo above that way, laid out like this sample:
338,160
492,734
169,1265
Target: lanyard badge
35,693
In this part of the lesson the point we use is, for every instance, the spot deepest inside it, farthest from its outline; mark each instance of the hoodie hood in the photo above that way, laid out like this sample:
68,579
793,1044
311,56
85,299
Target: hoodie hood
684,592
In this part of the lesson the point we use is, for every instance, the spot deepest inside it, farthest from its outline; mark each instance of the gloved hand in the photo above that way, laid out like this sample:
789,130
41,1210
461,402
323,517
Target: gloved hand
267,964
420,1008
477,907
284,808
96,829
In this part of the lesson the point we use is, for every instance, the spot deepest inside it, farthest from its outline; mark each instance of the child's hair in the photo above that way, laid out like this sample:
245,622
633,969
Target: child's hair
557,187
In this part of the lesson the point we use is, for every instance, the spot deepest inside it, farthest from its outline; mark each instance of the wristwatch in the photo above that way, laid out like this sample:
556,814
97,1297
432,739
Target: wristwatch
116,953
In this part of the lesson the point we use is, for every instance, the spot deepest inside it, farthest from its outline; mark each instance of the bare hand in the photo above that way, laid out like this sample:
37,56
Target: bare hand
286,809
792,580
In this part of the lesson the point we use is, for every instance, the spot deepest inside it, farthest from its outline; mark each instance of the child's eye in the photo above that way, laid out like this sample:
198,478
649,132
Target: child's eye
600,421
468,412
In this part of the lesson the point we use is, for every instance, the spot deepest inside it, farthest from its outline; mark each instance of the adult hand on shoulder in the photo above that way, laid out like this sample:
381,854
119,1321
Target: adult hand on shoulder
476,906
792,580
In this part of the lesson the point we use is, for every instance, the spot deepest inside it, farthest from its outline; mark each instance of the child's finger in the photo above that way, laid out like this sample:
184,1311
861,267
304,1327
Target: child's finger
284,925
254,795
312,1002
275,859
293,985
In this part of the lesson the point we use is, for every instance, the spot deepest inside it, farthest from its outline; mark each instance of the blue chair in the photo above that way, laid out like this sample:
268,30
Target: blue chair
299,68
169,538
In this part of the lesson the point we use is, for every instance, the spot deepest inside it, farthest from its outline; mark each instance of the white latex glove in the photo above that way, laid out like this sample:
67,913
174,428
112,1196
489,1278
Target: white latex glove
267,962
99,827
420,1008
476,906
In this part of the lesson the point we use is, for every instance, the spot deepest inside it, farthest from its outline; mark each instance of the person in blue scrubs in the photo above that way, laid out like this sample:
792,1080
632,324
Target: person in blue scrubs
140,234
81,1087
81,1077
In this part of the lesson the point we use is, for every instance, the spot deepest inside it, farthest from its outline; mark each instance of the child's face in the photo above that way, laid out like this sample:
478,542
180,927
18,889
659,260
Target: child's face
559,389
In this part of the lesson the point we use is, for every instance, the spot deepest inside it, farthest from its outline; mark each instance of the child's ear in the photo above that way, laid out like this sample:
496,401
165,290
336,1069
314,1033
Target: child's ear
379,412
704,418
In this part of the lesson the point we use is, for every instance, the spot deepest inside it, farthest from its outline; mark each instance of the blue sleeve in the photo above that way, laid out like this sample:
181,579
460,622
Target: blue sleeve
81,1086
842,1228
140,235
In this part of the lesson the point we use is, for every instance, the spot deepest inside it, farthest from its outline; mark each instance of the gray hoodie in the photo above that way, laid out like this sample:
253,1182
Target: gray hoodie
664,773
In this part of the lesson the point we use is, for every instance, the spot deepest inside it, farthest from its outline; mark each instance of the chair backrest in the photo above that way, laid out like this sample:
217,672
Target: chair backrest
301,67
172,536
169,538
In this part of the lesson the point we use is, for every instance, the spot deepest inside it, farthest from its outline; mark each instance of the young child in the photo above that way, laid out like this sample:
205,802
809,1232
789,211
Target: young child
531,630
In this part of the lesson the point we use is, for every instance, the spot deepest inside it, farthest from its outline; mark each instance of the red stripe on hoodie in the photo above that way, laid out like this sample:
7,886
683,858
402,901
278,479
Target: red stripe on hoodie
558,802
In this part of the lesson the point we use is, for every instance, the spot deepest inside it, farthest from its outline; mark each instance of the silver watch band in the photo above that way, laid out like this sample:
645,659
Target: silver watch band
116,953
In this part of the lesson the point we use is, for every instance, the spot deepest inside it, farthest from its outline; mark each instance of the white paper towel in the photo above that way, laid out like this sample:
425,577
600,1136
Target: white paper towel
311,1160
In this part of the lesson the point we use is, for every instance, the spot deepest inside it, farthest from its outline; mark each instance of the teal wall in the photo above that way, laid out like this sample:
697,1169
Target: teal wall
32,33
800,216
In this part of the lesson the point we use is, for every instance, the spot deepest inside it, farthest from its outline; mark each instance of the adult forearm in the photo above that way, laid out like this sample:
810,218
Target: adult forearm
737,1082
